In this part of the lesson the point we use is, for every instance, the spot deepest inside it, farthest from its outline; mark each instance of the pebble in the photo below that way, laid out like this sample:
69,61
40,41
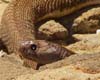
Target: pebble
2,53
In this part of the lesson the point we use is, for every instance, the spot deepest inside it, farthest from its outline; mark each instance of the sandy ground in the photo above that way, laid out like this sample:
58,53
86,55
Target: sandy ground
2,8
88,43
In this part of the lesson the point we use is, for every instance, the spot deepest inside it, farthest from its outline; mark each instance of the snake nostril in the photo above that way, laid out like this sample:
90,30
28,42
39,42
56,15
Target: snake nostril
33,47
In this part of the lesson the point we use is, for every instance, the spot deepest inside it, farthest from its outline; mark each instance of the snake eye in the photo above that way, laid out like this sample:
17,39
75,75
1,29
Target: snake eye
33,47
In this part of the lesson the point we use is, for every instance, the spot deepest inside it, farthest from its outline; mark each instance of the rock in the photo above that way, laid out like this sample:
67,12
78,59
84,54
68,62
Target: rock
88,22
87,63
88,43
64,73
98,32
52,30
2,8
11,67
2,53
6,1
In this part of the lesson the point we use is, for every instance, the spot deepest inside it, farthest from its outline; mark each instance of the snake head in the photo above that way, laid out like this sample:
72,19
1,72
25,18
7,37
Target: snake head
40,50
43,51
28,49
34,49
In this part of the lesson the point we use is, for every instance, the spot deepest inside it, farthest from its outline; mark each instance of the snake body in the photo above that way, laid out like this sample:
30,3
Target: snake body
18,21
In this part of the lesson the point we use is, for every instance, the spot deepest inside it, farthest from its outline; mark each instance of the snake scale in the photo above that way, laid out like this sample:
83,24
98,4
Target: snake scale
17,30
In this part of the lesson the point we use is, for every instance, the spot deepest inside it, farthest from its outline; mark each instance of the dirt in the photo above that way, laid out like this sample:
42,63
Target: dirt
64,73
11,67
87,43
2,8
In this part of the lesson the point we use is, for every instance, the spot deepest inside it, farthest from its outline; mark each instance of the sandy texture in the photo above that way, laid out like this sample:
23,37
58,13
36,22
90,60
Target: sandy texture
11,66
53,30
2,8
88,43
64,73
88,22
89,63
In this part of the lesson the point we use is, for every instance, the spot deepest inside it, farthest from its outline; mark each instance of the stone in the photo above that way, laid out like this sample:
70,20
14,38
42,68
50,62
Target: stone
88,22
64,73
52,30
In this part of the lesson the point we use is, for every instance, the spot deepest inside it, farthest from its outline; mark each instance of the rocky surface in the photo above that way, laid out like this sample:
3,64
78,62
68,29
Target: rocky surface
11,66
2,8
6,1
88,43
52,30
64,73
76,67
88,22
89,63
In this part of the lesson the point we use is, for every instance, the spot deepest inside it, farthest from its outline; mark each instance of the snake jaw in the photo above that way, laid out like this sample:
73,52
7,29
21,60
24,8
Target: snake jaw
43,52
